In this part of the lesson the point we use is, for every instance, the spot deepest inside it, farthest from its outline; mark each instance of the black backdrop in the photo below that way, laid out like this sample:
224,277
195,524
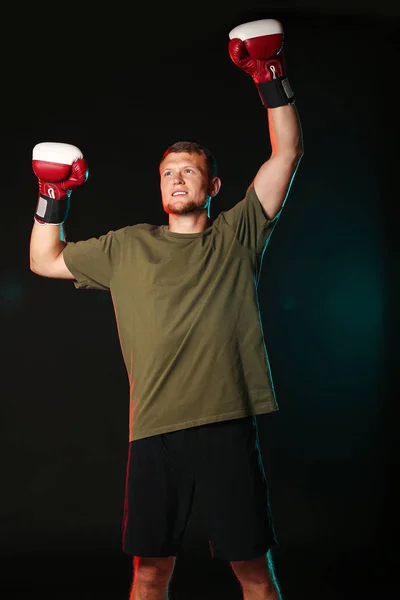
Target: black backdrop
123,89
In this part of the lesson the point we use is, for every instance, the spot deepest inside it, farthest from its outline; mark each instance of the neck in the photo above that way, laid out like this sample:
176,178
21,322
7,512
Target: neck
194,222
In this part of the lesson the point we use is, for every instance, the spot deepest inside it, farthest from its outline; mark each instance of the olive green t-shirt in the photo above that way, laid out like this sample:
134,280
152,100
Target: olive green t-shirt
187,315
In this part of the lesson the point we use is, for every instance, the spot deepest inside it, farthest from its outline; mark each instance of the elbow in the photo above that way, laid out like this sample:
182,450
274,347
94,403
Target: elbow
293,161
296,156
292,156
298,150
299,147
34,270
32,264
34,267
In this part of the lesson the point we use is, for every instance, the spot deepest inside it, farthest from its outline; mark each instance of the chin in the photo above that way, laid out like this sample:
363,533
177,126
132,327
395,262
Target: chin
184,210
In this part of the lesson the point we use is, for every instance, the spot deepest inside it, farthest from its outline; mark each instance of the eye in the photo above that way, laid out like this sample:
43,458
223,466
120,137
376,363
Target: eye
167,173
189,170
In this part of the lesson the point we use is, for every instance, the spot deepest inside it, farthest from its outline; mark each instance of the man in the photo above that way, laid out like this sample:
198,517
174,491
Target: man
185,300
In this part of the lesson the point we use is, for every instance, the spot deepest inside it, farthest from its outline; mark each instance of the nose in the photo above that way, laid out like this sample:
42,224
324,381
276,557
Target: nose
178,178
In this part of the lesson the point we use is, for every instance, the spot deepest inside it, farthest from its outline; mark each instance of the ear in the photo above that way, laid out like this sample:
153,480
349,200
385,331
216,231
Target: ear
215,186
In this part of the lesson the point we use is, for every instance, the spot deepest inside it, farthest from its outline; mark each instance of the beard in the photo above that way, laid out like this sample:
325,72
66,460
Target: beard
183,208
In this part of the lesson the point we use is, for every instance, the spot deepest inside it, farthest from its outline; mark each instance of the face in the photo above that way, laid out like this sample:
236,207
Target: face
184,182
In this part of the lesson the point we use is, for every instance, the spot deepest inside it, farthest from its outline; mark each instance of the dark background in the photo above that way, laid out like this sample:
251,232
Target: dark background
123,82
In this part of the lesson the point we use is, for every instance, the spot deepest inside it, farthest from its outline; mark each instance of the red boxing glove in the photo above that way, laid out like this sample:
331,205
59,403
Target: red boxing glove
60,169
256,48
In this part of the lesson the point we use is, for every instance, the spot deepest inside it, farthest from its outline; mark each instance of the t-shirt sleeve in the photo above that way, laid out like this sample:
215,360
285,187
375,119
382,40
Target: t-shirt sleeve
93,262
249,222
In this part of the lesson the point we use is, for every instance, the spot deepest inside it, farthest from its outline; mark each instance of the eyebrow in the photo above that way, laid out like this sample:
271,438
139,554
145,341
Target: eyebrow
192,166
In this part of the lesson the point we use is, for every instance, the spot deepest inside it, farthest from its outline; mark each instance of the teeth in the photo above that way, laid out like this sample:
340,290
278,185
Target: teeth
179,193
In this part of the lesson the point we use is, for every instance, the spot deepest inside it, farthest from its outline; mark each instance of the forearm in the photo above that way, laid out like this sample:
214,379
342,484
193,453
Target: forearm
285,131
46,244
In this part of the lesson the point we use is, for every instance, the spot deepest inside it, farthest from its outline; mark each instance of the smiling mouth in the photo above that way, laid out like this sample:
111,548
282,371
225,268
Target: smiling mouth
175,194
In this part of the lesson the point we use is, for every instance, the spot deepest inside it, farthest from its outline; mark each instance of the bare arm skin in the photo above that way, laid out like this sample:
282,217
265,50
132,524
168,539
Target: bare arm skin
46,251
274,178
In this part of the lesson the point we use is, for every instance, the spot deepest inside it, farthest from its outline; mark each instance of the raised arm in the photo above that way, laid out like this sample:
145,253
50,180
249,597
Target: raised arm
274,178
256,48
46,251
60,169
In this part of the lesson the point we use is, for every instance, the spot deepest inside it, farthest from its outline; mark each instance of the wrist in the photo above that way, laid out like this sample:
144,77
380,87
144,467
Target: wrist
275,92
51,211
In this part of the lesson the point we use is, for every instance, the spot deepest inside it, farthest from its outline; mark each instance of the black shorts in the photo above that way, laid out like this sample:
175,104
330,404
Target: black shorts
220,463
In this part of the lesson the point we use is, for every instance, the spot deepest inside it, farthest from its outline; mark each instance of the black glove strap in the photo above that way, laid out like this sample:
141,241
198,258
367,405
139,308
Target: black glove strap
276,92
52,211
